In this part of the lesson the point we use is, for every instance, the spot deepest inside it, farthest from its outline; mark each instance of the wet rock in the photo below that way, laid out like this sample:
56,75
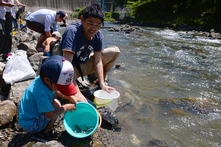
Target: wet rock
186,106
157,143
109,119
126,28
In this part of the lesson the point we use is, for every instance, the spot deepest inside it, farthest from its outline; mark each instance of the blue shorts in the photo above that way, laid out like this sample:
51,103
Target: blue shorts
40,123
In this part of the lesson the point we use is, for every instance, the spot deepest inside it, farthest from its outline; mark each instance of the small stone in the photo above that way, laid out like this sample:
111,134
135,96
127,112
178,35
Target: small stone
117,66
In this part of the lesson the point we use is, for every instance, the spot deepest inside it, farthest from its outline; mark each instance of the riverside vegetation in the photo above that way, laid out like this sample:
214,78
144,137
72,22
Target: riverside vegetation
191,15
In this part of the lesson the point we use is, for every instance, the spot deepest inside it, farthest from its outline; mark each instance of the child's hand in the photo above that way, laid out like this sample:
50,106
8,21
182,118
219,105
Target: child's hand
80,97
76,98
69,107
72,99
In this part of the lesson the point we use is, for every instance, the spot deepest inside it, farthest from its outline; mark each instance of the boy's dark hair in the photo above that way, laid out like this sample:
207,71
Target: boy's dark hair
42,76
61,13
94,10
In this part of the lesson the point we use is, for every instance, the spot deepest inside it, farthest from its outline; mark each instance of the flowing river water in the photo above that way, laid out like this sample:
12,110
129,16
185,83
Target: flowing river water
170,86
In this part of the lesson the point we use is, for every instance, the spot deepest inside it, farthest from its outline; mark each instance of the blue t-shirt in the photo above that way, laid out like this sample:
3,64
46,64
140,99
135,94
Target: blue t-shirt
36,100
73,39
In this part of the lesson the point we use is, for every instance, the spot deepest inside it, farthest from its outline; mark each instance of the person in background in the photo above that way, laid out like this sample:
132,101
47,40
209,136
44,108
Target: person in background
64,22
14,20
8,28
82,45
56,36
20,16
2,24
39,108
27,13
20,21
41,21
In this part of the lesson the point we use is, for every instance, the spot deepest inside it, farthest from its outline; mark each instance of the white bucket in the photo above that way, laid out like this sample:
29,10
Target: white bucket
103,98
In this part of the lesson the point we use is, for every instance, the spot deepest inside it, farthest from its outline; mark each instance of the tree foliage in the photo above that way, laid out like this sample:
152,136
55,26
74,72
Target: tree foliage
193,12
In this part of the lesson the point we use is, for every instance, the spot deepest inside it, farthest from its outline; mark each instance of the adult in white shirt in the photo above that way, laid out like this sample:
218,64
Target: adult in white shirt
2,23
42,21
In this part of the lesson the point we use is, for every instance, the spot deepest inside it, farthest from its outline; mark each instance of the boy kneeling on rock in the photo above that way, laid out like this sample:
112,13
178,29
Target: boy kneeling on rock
39,108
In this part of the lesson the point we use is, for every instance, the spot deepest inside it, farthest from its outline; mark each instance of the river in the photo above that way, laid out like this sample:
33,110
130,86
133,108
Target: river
169,84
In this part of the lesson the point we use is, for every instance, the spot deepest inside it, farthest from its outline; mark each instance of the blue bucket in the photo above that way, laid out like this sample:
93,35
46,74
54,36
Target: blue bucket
81,122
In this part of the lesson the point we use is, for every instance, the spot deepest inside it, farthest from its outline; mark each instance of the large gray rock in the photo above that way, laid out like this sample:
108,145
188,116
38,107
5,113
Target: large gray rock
8,110
29,47
17,90
52,143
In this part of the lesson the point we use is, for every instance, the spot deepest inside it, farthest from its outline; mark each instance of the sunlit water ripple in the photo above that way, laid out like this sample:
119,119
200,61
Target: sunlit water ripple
160,70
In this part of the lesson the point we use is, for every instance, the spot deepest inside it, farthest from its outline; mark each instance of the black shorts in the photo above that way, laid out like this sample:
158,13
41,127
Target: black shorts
37,27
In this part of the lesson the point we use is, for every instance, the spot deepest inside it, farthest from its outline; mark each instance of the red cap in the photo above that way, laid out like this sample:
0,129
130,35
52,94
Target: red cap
67,90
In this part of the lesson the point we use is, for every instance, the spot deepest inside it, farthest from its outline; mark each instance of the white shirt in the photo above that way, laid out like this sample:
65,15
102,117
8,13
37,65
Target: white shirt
9,9
2,12
45,17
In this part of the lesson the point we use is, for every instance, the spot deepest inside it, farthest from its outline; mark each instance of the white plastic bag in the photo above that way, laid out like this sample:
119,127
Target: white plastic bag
18,68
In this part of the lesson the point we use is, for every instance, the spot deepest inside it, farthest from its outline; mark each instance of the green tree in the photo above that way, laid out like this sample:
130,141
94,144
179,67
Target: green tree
193,12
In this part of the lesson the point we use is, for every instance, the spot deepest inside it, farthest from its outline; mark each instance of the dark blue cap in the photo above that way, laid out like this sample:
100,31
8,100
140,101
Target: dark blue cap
52,66
62,14
60,72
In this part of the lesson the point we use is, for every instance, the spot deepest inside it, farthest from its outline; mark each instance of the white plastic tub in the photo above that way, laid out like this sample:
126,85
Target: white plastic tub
103,98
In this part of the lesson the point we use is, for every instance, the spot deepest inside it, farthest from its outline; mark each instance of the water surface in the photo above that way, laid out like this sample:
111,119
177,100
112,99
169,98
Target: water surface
170,87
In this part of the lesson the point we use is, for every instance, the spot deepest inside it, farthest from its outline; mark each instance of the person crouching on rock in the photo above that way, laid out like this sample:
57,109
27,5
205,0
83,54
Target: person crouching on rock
50,43
41,21
83,45
39,108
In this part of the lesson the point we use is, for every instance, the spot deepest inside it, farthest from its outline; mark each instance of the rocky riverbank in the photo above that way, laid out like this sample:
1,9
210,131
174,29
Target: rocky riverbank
12,135
128,28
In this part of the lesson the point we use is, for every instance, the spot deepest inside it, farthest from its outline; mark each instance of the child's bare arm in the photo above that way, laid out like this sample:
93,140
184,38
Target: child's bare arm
58,111
47,43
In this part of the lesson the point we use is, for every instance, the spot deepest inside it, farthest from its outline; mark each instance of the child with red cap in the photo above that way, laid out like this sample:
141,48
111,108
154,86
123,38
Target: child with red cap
39,108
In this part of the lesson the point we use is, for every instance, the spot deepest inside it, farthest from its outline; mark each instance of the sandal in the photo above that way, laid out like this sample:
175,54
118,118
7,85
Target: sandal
5,56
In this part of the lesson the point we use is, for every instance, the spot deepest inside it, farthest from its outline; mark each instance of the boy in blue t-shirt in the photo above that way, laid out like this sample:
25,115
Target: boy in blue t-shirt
38,108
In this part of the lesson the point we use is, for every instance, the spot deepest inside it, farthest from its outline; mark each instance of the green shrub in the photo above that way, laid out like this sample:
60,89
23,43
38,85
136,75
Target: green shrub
80,11
115,15
107,15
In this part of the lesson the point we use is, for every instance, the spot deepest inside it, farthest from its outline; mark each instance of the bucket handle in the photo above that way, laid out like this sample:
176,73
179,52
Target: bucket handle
100,118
